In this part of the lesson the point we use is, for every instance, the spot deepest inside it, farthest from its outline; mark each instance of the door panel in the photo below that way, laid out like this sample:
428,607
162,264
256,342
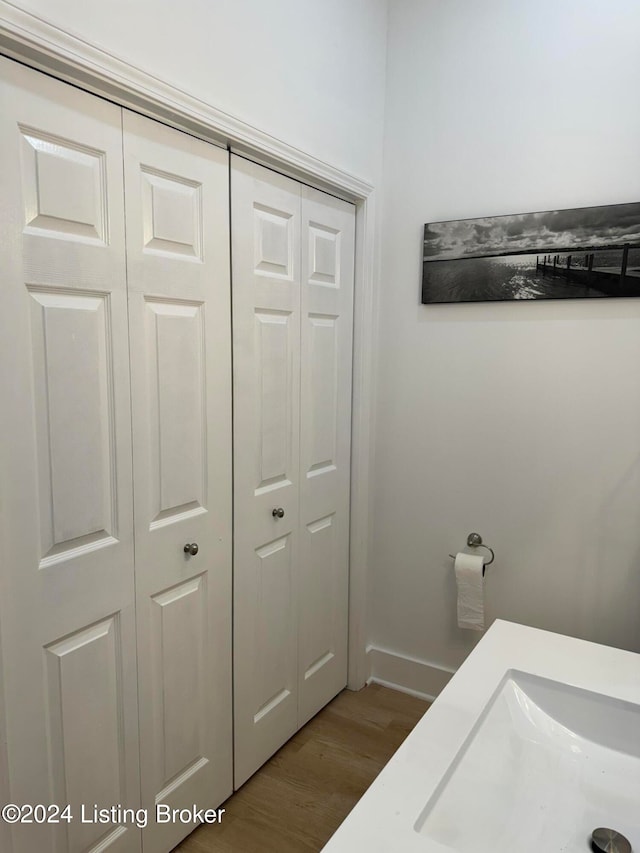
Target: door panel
83,697
64,187
273,575
328,233
179,644
275,345
67,596
178,270
266,309
175,338
73,399
322,371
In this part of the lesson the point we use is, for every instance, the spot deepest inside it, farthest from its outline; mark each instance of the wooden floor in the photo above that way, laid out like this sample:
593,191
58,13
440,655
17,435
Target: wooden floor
297,800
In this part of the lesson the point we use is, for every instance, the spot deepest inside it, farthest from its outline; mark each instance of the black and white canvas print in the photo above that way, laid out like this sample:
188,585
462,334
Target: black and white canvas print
558,254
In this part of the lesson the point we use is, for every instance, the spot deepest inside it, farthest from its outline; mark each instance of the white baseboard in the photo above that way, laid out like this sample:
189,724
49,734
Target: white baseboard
406,674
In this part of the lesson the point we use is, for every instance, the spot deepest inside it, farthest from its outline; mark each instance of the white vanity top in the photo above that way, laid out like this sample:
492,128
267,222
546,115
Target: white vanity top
390,816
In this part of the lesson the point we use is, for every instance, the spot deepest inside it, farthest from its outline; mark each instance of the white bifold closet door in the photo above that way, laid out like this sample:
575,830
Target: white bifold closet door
292,260
67,594
115,404
176,194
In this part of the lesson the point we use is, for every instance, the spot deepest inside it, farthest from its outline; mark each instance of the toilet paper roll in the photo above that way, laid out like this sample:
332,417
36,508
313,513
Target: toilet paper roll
468,569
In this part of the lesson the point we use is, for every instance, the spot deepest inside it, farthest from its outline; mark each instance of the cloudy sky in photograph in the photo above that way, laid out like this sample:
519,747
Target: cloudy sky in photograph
554,230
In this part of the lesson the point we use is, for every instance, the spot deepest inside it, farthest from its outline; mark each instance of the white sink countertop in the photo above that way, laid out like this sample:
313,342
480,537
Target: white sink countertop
514,754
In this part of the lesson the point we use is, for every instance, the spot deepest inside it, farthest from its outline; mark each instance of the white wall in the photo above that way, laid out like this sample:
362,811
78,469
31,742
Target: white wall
517,420
308,73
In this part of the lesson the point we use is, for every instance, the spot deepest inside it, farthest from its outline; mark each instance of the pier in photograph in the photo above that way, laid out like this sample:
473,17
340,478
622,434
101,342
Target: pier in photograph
582,269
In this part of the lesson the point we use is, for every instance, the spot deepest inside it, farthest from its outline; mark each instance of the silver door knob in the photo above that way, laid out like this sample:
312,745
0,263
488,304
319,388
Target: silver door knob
191,549
278,512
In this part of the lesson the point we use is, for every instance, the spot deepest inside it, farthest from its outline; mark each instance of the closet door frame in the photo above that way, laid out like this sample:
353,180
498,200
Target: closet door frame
40,45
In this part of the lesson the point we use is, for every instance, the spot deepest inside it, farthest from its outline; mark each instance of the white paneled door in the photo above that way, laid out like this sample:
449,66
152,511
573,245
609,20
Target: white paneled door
67,595
116,404
266,352
328,234
176,192
292,256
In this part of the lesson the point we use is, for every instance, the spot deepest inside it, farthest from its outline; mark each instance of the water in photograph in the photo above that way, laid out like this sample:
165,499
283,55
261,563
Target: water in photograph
517,277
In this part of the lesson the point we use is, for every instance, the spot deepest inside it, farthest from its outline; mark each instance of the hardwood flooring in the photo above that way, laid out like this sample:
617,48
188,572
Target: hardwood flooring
297,800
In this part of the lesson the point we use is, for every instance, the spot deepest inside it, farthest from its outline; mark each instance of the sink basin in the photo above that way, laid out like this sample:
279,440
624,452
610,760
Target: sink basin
532,745
544,765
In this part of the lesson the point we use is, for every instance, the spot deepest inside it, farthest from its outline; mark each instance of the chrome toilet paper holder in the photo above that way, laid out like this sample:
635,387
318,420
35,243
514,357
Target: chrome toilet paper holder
474,540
